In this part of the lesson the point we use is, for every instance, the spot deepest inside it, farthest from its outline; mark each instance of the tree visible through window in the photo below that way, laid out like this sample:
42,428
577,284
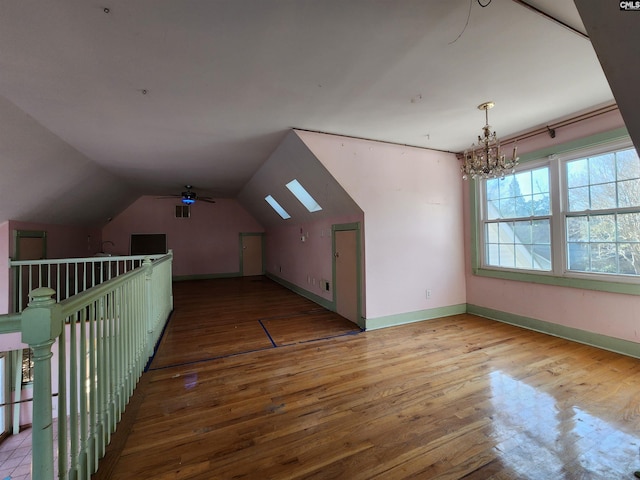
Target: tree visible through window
603,217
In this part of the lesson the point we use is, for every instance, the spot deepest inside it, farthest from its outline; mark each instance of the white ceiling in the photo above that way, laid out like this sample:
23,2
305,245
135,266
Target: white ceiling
226,79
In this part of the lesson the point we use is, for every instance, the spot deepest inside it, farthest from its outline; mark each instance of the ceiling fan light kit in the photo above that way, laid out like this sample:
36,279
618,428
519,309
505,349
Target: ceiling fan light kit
189,197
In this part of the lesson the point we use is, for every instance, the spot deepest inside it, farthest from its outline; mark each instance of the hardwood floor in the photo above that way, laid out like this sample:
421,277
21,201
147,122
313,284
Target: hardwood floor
253,382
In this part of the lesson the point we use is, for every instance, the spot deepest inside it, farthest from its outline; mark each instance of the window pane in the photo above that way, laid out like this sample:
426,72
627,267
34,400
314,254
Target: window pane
602,228
541,230
629,227
493,189
578,229
524,206
506,256
629,258
602,169
603,196
578,257
523,232
578,199
493,209
542,257
506,232
493,255
577,173
629,193
628,164
506,184
507,208
603,258
541,204
540,180
491,233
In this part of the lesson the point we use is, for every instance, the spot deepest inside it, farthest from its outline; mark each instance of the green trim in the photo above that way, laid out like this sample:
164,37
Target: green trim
30,234
345,227
341,227
617,345
206,276
323,302
590,141
412,317
546,279
254,234
569,282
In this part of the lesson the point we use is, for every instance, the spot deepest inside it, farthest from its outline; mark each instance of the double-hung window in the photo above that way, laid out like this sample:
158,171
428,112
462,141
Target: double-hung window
575,214
602,218
517,226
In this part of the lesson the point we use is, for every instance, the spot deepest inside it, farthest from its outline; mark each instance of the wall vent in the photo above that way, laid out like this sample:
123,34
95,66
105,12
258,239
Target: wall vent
183,211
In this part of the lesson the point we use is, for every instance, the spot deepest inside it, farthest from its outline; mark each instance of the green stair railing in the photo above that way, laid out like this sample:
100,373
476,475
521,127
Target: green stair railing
105,336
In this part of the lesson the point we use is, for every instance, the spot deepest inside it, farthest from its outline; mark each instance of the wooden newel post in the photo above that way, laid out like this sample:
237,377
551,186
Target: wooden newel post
41,326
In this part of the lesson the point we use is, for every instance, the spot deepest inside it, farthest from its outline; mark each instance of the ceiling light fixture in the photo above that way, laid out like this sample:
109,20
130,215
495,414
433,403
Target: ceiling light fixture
486,160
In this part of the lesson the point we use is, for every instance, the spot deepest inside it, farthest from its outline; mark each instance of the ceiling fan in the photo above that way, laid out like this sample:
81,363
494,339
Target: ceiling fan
189,197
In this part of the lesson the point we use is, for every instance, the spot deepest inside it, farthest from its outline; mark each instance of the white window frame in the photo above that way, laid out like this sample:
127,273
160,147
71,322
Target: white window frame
559,273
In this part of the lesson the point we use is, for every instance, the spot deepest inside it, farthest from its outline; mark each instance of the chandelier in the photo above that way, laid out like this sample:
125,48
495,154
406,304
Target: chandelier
485,160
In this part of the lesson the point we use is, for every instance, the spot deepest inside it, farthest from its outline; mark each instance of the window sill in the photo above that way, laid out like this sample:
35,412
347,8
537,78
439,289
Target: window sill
569,282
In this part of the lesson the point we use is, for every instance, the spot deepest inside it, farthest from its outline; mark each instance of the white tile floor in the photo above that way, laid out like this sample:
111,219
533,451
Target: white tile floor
15,457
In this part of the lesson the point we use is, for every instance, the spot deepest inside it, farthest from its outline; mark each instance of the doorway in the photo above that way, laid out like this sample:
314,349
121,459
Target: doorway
251,256
346,271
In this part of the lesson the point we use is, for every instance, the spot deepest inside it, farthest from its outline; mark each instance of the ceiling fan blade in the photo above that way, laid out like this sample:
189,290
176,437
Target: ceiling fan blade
206,199
169,196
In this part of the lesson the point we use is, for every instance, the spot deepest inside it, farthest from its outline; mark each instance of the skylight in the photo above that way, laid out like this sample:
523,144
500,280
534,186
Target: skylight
301,194
277,207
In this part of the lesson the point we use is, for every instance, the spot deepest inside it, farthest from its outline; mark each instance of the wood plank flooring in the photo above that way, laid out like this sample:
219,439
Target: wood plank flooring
253,382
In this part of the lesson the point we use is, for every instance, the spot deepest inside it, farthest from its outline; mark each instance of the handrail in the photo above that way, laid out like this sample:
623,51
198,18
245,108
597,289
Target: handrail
10,323
94,259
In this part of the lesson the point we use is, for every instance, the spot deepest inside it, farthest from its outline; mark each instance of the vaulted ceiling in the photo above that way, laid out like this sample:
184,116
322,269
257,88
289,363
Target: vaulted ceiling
104,101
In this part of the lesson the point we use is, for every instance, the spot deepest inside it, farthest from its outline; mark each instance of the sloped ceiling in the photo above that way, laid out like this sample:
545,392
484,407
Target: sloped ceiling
293,160
142,97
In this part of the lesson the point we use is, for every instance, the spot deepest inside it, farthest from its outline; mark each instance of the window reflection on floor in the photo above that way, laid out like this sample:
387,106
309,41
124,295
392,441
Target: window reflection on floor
541,438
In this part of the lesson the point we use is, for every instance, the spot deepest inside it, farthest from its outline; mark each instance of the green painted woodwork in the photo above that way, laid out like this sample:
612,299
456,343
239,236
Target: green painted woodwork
617,345
41,325
412,317
112,328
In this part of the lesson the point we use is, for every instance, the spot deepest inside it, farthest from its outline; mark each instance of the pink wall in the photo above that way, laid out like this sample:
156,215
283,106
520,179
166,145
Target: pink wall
204,244
611,314
306,263
412,199
63,241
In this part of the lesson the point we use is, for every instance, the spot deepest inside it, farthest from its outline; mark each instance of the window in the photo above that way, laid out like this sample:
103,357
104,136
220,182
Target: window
277,207
303,196
571,215
517,229
603,213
